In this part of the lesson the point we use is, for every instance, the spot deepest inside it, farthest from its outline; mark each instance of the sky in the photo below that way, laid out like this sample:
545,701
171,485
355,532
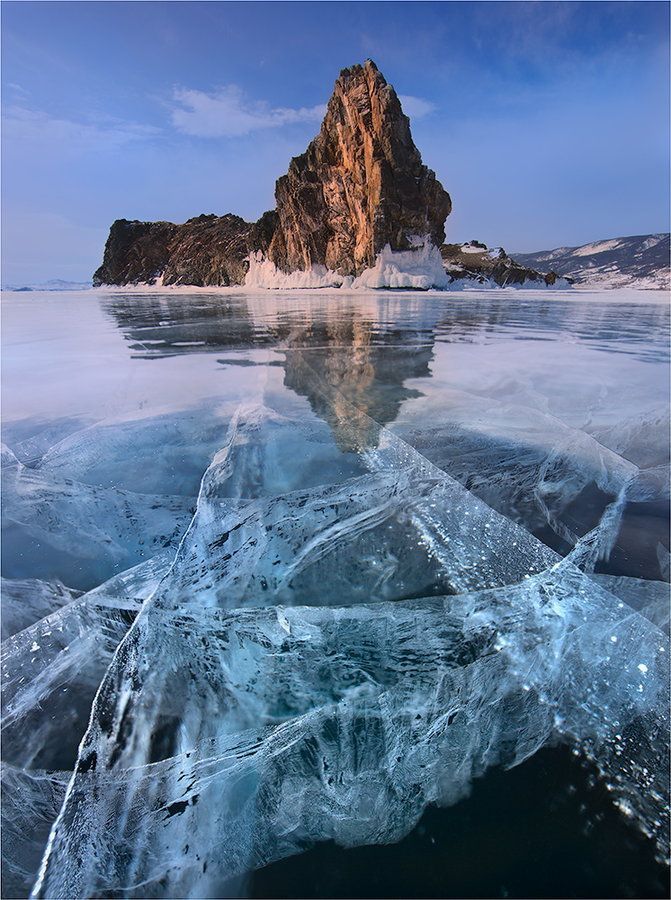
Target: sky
548,123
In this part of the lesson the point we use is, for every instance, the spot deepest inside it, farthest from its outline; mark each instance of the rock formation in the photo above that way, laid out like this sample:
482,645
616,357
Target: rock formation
204,251
359,186
475,261
358,203
135,252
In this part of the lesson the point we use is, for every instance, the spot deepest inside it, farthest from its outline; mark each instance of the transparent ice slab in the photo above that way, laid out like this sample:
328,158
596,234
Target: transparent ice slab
59,528
50,674
289,726
29,600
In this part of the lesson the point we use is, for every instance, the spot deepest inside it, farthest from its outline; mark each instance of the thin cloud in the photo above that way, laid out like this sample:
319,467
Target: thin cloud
227,112
22,126
17,89
415,107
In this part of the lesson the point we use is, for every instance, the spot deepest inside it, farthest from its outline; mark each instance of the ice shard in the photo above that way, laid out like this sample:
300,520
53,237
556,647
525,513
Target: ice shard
51,671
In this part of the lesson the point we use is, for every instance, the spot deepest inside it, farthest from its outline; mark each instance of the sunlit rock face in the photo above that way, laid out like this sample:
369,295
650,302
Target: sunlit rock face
359,186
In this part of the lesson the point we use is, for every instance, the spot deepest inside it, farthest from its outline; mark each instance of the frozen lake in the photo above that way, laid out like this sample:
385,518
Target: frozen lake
328,572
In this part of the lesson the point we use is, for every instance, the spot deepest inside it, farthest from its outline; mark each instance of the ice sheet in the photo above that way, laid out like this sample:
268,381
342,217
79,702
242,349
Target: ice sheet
60,528
357,621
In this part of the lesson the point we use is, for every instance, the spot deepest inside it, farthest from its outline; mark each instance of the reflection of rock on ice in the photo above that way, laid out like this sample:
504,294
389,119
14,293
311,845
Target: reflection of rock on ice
362,377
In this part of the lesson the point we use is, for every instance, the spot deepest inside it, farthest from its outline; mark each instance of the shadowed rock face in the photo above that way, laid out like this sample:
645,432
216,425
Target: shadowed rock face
359,186
205,251
213,250
135,252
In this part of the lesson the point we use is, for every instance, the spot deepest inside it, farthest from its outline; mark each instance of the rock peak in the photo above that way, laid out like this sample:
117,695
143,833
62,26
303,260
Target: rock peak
359,186
368,65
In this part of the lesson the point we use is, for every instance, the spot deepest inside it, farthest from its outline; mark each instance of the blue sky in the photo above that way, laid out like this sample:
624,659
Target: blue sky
547,122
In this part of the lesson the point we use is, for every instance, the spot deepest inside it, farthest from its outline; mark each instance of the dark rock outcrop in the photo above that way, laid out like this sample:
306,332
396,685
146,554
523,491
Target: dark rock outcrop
204,251
474,261
135,252
359,186
208,250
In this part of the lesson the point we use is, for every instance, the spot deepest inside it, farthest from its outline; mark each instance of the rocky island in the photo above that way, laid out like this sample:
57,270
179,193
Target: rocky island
357,209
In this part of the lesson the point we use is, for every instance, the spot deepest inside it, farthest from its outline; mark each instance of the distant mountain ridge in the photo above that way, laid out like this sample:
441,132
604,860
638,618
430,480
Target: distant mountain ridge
639,261
54,284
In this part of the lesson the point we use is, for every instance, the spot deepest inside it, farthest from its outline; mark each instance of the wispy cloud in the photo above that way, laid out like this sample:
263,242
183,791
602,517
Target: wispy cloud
416,107
227,112
17,90
22,126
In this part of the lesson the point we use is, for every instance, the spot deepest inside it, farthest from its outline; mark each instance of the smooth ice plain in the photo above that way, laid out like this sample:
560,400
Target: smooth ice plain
286,568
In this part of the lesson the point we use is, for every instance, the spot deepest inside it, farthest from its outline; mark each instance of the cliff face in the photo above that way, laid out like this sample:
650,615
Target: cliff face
213,250
135,252
359,186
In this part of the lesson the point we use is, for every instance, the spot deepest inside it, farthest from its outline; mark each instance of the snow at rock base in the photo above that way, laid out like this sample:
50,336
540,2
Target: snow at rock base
420,268
417,269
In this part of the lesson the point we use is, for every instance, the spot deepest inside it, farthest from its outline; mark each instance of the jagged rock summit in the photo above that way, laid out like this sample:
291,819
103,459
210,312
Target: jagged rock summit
357,208
359,186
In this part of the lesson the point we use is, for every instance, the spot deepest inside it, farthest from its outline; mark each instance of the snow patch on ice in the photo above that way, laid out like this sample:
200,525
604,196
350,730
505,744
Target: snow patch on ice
488,284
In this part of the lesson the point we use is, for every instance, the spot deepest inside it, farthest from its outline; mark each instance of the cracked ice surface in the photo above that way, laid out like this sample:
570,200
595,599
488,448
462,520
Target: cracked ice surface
356,622
225,735
80,532
56,664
